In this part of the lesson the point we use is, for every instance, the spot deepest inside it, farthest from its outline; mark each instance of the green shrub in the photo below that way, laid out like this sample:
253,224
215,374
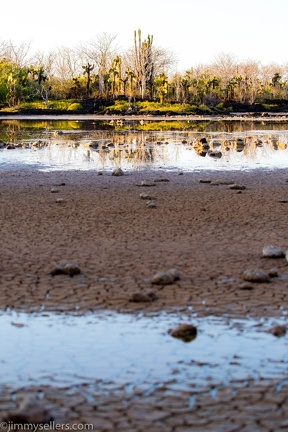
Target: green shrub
119,107
76,106
166,108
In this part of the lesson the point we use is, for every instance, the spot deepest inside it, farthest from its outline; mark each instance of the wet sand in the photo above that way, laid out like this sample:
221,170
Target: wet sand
210,233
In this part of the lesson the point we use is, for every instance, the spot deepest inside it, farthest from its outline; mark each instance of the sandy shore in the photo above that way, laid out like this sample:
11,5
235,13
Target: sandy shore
209,232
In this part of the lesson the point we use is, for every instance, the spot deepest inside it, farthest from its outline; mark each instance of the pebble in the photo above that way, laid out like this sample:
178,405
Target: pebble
166,278
186,332
237,187
141,297
225,182
151,204
60,200
146,196
215,154
271,251
94,144
255,275
278,330
165,180
117,172
68,268
205,181
147,183
54,190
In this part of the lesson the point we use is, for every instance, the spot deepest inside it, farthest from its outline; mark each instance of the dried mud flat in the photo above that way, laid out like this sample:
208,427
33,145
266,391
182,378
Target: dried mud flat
210,233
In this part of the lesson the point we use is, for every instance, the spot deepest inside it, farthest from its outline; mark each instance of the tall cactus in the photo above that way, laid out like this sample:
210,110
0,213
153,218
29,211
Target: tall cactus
144,64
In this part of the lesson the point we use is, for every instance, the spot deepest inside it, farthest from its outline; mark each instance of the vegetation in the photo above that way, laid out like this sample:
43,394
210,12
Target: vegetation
95,77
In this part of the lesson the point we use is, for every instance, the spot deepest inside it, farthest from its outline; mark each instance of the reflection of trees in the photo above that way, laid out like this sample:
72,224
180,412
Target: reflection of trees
11,130
132,147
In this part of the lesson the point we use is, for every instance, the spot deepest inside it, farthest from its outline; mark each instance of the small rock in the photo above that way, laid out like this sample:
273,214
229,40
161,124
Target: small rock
60,200
255,275
99,173
145,196
180,173
54,190
278,330
205,181
147,183
68,268
117,172
237,187
10,147
271,251
225,182
141,297
186,332
30,412
165,180
151,204
215,154
94,144
166,278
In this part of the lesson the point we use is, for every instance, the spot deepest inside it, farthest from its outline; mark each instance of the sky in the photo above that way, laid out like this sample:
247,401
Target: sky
196,31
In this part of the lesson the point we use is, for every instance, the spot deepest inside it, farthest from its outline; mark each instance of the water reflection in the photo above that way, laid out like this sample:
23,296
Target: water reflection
84,145
67,349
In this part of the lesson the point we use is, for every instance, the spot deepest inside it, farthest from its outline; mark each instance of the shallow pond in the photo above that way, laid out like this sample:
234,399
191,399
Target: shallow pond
129,350
104,146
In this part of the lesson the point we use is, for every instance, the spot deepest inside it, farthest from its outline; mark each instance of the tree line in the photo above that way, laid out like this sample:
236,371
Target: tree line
96,69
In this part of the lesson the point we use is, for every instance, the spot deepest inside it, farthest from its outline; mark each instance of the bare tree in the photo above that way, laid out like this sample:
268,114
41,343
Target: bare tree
16,54
67,63
44,60
225,66
100,52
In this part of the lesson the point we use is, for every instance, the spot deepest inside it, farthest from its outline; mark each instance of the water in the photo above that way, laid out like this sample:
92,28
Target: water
133,149
136,350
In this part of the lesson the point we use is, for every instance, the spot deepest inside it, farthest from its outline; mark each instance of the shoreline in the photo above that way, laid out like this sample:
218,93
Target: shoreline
271,117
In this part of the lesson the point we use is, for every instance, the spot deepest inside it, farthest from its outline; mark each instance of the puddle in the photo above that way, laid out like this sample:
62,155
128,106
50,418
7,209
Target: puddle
138,150
130,351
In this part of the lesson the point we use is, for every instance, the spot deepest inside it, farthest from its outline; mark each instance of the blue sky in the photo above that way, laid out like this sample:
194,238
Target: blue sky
195,30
